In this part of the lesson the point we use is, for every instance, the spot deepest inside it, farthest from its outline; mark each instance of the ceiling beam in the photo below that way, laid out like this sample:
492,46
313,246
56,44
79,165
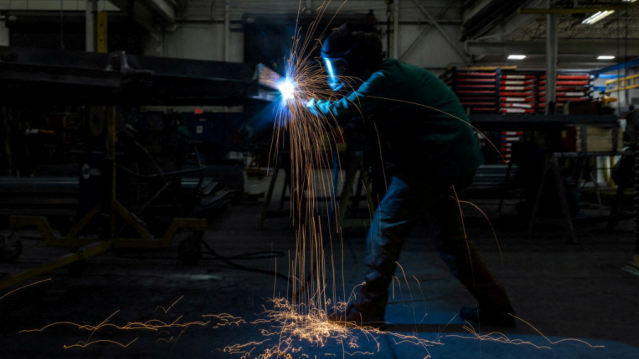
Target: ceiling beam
475,7
486,15
565,47
515,22
144,9
426,29
166,9
151,14
453,44
576,10
141,14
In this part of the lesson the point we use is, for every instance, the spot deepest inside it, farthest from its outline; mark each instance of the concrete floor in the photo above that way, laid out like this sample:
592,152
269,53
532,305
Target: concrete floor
574,300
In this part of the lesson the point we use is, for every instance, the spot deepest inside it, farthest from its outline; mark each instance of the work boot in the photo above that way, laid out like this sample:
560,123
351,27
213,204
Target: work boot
356,318
493,317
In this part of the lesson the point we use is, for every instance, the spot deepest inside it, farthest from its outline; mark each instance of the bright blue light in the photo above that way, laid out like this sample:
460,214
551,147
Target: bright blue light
287,89
333,80
329,69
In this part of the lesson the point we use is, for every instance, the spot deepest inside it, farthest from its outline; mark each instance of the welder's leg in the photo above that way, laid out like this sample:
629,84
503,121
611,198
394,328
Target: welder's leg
462,256
405,202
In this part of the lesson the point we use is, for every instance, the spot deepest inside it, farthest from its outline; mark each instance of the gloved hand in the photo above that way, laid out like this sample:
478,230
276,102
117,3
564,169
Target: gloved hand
310,103
311,106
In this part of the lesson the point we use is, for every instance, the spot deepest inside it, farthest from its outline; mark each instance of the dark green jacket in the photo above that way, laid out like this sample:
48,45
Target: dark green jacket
417,115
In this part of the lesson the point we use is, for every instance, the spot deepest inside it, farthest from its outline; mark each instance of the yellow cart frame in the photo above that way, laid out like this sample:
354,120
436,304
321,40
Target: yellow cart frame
89,247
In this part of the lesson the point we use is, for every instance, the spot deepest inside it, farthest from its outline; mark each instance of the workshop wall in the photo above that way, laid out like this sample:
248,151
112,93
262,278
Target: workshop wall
198,42
51,5
430,50
200,33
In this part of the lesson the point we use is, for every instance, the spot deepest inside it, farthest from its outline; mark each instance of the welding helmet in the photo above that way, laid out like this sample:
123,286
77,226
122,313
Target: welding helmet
350,56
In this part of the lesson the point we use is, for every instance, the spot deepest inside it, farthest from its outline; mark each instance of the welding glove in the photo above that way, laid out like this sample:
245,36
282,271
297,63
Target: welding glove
311,106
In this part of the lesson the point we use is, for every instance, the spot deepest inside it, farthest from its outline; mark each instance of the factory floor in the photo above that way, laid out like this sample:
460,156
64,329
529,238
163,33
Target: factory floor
573,301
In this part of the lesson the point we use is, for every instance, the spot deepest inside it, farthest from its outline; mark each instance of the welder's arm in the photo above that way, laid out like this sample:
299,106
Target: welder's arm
359,103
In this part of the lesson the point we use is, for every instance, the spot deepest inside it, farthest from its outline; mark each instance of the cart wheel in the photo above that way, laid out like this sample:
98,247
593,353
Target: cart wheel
10,247
190,248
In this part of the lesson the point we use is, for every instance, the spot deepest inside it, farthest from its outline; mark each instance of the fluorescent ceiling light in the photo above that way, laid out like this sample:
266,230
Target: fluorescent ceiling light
600,15
597,16
605,57
516,57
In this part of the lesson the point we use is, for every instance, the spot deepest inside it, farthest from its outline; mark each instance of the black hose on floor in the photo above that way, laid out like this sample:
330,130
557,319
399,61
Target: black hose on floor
228,261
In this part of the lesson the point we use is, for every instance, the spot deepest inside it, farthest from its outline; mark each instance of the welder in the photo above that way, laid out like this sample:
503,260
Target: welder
435,154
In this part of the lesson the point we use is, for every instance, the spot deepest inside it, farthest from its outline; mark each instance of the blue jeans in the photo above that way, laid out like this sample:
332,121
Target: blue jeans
406,201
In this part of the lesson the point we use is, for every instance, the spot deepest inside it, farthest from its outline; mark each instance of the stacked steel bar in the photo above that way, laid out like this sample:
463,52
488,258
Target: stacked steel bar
514,91
570,87
477,90
506,141
519,92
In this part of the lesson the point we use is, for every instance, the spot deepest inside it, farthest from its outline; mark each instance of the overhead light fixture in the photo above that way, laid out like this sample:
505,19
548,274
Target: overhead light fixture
605,57
600,15
597,16
516,57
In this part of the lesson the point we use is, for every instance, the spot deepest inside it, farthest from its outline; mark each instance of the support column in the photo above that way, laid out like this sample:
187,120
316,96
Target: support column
102,32
4,34
396,30
91,9
388,27
227,31
634,262
551,59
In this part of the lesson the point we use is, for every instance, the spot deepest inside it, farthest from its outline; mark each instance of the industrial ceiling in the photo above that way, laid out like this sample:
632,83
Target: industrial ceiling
493,29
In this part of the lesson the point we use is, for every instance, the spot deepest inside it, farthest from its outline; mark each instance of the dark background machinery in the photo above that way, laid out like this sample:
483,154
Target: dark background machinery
88,122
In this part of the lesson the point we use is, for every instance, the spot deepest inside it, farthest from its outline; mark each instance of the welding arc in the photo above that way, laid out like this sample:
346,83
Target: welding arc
239,266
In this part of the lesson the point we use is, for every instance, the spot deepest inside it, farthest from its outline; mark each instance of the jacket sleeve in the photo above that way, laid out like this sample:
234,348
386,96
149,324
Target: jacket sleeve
359,103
